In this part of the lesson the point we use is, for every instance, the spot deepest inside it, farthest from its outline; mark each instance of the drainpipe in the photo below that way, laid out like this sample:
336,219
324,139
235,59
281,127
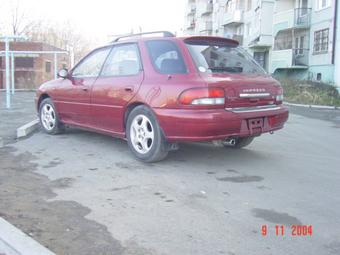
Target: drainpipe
335,20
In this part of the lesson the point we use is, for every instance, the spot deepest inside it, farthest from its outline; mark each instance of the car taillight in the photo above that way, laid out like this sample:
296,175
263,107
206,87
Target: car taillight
279,96
203,96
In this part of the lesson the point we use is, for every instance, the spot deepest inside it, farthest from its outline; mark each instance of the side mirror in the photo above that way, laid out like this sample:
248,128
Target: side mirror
63,73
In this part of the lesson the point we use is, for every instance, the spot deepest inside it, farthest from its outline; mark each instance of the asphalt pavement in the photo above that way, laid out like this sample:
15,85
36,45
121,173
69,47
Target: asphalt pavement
85,193
201,200
21,112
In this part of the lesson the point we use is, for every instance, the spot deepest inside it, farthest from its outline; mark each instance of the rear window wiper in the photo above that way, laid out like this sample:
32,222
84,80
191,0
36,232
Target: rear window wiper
231,69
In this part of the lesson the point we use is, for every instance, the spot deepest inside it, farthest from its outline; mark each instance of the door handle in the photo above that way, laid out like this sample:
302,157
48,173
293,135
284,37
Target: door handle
128,89
85,89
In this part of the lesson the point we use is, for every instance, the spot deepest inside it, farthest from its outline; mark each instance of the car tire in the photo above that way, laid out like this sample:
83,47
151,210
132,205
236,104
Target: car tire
240,142
49,119
144,135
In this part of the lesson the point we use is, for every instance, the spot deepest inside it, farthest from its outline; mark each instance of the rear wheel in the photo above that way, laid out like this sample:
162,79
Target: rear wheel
49,119
145,137
239,142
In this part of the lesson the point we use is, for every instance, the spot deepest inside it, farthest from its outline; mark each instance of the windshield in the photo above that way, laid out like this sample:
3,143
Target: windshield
223,58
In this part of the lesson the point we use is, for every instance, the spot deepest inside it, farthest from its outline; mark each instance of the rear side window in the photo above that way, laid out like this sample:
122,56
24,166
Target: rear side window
166,57
123,60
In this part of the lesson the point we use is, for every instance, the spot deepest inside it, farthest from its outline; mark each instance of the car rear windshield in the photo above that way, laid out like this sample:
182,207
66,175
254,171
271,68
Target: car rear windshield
217,57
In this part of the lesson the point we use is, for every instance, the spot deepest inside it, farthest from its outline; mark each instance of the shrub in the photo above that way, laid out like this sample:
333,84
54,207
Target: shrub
307,92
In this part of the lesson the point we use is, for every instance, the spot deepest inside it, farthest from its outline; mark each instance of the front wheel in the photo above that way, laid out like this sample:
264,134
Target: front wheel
145,137
239,142
49,119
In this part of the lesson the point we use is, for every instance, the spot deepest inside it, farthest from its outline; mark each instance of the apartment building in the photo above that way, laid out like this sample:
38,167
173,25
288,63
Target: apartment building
289,38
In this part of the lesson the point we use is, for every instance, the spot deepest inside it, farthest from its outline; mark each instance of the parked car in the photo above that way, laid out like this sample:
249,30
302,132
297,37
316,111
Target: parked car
158,91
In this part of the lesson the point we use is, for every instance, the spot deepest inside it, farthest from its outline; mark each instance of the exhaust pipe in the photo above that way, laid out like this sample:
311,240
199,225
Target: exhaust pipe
230,141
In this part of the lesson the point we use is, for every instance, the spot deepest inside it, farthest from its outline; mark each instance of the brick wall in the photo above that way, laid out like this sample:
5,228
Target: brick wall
32,77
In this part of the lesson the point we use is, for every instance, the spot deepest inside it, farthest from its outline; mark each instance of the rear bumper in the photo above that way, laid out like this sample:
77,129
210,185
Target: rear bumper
206,125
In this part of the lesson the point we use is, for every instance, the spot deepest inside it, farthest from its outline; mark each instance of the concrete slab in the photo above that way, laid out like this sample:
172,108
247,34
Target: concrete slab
22,111
15,242
28,128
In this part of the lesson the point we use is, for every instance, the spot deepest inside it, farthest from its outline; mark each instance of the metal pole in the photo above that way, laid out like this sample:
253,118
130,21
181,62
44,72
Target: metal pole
8,93
13,72
55,66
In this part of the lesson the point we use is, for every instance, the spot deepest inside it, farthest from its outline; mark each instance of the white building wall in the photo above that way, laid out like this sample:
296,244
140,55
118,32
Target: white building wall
337,51
260,25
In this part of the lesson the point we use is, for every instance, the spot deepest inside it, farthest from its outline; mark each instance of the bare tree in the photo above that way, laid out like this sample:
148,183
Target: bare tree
64,36
20,23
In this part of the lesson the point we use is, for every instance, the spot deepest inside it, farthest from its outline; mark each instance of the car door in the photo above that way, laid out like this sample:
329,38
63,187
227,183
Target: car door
74,94
118,82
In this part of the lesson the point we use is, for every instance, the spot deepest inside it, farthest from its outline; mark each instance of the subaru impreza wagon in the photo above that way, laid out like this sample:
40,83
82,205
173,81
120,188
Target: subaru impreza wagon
158,91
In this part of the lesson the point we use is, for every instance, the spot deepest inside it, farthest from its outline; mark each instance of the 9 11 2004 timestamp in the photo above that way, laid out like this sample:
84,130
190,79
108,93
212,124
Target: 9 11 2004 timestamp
282,230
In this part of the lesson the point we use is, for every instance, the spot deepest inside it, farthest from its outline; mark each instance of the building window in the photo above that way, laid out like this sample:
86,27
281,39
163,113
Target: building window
322,4
249,5
260,58
233,5
318,76
47,67
24,62
321,39
248,28
283,41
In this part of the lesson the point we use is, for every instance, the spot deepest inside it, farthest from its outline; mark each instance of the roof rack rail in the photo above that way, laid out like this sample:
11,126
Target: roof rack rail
165,34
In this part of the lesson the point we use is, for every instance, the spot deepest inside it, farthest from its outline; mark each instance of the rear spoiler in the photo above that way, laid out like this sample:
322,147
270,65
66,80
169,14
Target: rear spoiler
211,40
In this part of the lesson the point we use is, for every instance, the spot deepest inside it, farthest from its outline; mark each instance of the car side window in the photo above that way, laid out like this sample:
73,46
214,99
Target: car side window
166,57
123,60
92,64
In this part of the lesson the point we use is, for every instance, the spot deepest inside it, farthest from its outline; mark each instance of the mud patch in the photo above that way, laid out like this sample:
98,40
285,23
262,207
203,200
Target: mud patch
262,187
124,165
122,188
232,171
62,183
241,179
53,163
276,217
58,225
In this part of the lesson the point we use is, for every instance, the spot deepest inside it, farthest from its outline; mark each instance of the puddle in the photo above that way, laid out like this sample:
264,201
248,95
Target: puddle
62,183
241,179
276,217
53,163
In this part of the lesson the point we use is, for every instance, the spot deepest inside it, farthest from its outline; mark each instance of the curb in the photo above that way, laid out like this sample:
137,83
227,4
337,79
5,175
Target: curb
326,107
14,242
28,128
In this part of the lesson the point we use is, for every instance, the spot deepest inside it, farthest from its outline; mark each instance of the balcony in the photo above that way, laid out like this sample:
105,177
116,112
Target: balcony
293,18
206,26
290,59
191,25
238,38
208,9
192,11
233,18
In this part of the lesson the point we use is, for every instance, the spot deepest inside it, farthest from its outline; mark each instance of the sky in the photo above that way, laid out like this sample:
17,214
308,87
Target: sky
102,18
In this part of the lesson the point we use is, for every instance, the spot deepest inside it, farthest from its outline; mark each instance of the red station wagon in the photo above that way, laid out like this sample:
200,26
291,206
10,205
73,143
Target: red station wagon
158,91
